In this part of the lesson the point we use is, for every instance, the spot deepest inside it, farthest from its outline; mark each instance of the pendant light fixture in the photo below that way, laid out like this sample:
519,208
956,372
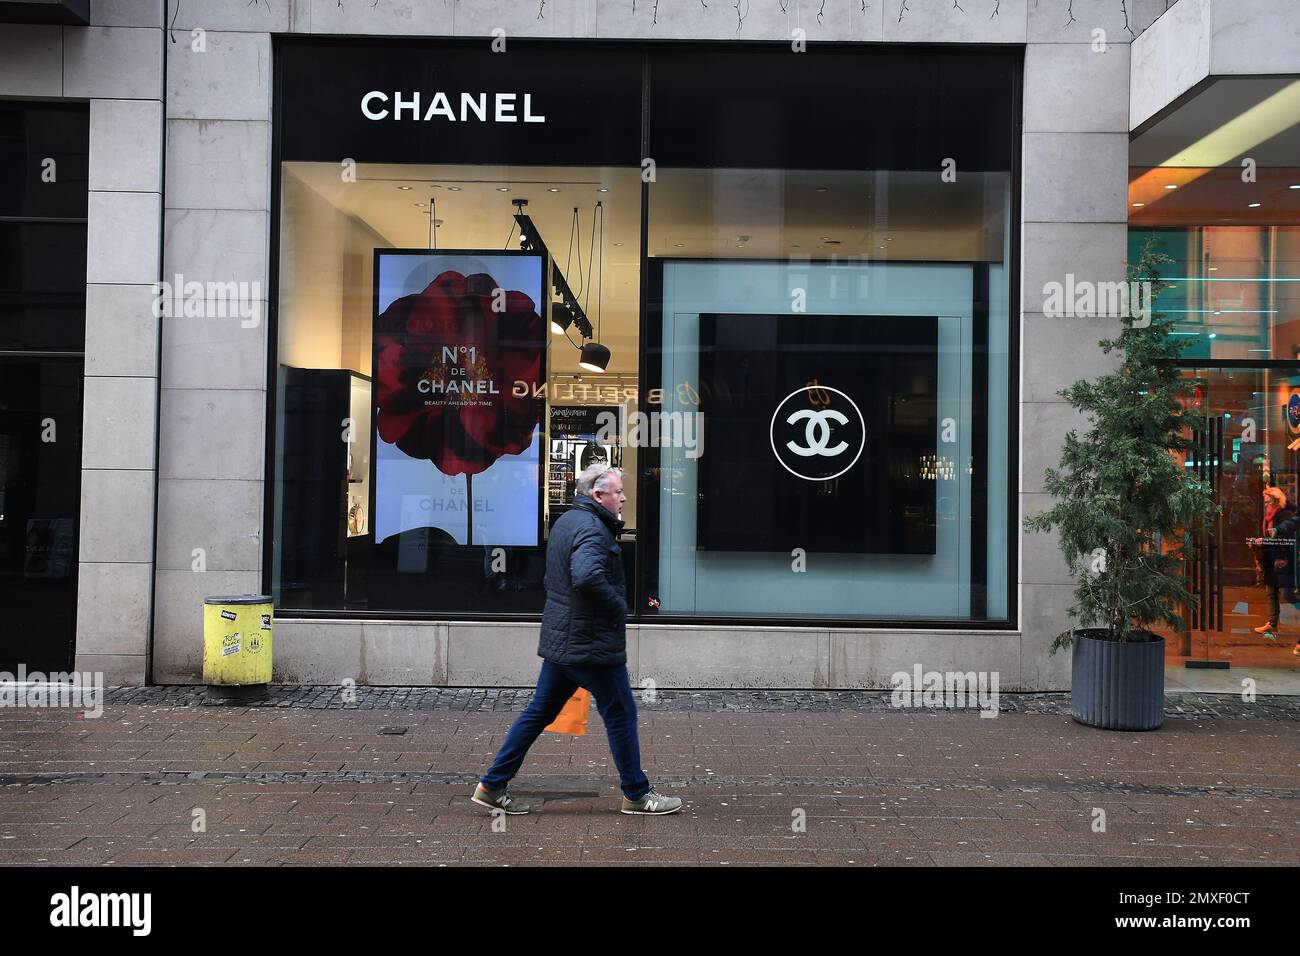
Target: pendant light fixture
595,357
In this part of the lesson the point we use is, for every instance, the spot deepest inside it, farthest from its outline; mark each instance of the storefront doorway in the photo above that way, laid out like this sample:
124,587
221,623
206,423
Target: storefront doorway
1246,433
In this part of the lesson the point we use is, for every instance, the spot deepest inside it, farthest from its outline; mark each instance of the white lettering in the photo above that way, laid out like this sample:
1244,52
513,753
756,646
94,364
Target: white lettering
365,104
413,105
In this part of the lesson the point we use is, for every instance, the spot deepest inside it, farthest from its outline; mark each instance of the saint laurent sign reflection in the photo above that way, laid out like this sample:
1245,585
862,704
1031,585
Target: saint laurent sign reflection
481,107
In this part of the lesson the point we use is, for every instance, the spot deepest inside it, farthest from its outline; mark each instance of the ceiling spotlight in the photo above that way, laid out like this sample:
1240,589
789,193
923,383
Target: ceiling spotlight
561,317
889,238
1171,186
420,204
1294,186
403,187
1255,205
1214,268
552,189
678,245
453,189
1138,205
618,245
826,238
603,189
595,357
503,189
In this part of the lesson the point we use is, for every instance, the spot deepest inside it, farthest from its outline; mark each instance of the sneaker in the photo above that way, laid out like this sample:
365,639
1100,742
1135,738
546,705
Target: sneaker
1265,628
1270,636
652,803
497,800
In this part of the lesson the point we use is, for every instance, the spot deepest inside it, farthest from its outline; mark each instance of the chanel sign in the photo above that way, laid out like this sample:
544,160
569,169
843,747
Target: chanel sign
828,428
816,424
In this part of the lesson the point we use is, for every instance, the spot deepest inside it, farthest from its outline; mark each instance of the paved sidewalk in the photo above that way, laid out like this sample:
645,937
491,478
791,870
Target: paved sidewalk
800,778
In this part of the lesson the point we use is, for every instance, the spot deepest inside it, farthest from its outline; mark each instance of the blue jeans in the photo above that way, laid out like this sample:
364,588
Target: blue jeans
555,685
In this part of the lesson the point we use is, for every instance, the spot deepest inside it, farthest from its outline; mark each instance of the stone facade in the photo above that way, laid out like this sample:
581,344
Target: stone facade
181,184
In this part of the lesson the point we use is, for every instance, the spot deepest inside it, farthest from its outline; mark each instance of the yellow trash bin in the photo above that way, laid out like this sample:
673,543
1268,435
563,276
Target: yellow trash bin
237,632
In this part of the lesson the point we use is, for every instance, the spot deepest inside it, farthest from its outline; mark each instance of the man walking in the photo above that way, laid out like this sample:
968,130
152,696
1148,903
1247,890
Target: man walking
583,644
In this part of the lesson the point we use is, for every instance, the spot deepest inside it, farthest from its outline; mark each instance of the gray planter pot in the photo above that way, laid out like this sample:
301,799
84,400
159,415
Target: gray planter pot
1118,686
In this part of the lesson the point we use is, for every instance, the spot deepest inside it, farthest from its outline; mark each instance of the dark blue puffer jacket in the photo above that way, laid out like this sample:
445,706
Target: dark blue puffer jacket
584,621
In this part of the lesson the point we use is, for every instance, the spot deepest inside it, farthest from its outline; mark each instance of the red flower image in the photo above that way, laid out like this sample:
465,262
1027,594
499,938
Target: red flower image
446,367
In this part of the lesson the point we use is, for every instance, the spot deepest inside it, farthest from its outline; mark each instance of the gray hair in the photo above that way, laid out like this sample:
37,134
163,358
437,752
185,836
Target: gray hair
597,473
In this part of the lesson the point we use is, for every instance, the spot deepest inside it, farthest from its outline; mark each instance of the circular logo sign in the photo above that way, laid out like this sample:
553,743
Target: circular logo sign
817,433
1293,413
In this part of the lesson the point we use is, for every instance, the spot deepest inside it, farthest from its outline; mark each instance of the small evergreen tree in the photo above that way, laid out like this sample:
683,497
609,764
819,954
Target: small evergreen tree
1123,500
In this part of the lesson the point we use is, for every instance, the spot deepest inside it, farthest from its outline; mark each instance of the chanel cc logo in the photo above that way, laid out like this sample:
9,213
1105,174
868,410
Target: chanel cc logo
817,433
819,443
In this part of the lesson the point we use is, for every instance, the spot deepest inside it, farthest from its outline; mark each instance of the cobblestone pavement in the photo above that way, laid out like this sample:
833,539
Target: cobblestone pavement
332,697
793,778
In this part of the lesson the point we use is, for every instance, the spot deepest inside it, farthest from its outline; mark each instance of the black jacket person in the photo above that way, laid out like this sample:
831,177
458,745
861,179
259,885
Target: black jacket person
584,621
583,644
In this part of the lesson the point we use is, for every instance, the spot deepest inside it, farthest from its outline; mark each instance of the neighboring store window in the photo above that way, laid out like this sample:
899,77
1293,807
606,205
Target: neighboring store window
44,152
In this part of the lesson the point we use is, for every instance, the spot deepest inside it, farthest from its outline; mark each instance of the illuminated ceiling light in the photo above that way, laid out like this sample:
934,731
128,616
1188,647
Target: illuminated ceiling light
1139,205
552,189
678,245
404,187
1245,131
503,189
453,189
1237,137
826,238
1255,205
561,317
603,189
1214,268
1294,186
1171,186
618,245
595,357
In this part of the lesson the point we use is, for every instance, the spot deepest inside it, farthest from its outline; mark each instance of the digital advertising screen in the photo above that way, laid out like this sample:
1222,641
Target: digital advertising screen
459,359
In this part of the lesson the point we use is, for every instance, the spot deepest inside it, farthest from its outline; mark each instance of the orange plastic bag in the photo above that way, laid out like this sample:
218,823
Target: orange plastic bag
572,719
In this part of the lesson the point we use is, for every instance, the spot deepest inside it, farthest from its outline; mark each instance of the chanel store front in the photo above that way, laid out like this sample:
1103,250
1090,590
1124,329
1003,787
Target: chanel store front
777,291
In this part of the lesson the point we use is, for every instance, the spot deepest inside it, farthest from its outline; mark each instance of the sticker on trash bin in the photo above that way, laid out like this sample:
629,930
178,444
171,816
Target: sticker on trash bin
266,622
254,643
230,644
228,615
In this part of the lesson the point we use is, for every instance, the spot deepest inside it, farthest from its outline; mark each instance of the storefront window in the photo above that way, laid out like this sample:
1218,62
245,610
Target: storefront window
796,326
1216,188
